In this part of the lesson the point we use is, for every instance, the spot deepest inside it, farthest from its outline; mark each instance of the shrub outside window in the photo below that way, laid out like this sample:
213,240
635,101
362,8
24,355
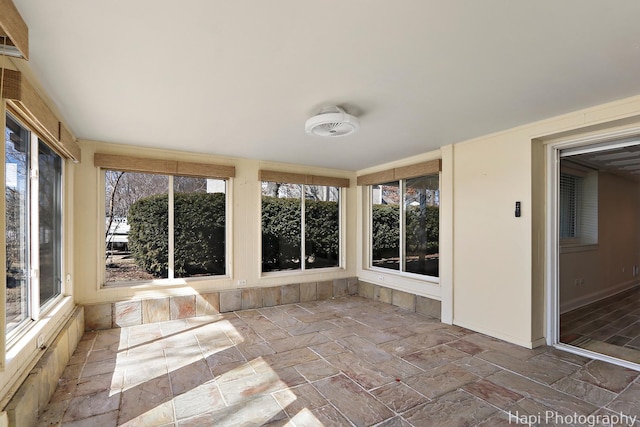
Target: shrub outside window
163,227
33,225
405,225
300,222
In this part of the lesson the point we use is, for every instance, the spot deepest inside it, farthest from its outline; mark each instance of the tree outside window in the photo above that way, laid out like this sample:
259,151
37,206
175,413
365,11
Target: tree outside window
163,227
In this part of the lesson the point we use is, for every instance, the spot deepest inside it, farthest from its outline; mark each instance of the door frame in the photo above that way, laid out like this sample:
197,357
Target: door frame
594,141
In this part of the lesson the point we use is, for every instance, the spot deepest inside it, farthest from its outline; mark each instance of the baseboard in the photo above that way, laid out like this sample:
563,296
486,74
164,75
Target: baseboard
499,335
597,296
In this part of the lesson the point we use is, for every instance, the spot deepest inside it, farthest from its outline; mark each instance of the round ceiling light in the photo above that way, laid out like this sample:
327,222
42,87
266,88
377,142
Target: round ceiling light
332,121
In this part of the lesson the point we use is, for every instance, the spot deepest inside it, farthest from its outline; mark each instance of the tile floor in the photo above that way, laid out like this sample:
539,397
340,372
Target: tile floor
610,326
341,362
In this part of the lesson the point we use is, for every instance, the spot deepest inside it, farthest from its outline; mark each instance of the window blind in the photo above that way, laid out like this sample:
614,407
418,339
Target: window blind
25,102
578,206
296,178
569,193
404,172
160,166
13,28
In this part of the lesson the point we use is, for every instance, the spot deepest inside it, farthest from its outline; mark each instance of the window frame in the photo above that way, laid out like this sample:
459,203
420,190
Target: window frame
37,310
341,231
169,281
401,272
586,204
575,196
342,184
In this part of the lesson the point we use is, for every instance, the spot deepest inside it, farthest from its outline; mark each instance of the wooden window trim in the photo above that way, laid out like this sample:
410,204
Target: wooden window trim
159,166
297,178
24,101
404,172
14,28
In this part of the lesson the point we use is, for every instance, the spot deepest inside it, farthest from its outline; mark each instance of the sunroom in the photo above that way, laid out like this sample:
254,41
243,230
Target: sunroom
252,214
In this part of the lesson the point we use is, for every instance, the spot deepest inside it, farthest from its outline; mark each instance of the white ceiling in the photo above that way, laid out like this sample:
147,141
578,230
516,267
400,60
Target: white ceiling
240,77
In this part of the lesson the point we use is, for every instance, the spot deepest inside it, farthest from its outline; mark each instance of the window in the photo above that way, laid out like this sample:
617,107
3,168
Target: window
578,205
33,200
405,225
160,226
570,196
300,222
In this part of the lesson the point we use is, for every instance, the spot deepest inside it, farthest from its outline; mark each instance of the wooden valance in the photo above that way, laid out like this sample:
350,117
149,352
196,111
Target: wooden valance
28,105
297,178
13,29
404,172
166,167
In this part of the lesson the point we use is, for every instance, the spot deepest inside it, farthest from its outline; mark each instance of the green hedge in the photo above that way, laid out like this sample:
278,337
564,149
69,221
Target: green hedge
421,229
199,234
200,229
323,230
386,230
280,233
281,240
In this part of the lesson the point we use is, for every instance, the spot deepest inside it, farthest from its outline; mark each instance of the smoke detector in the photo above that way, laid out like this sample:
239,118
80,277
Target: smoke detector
332,121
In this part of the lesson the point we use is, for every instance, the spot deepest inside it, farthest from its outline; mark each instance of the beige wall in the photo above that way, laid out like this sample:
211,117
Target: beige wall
498,274
605,268
245,222
492,248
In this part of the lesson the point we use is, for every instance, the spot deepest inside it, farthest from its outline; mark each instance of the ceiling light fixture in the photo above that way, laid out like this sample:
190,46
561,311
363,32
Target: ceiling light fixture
332,121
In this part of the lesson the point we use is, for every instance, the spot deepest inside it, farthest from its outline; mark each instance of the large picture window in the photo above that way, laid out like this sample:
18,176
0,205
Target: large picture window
163,226
300,226
405,218
33,217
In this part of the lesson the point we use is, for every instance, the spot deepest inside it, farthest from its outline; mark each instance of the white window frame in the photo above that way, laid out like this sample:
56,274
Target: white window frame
402,224
341,237
36,310
171,280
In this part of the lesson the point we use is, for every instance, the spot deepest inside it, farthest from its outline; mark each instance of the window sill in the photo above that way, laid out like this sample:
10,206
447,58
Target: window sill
23,351
404,274
427,286
309,272
163,283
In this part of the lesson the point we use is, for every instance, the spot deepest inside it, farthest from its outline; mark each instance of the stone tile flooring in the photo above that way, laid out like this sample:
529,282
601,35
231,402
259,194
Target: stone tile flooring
341,362
610,326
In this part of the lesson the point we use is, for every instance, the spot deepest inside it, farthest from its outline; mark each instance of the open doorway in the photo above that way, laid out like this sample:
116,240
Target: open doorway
598,248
